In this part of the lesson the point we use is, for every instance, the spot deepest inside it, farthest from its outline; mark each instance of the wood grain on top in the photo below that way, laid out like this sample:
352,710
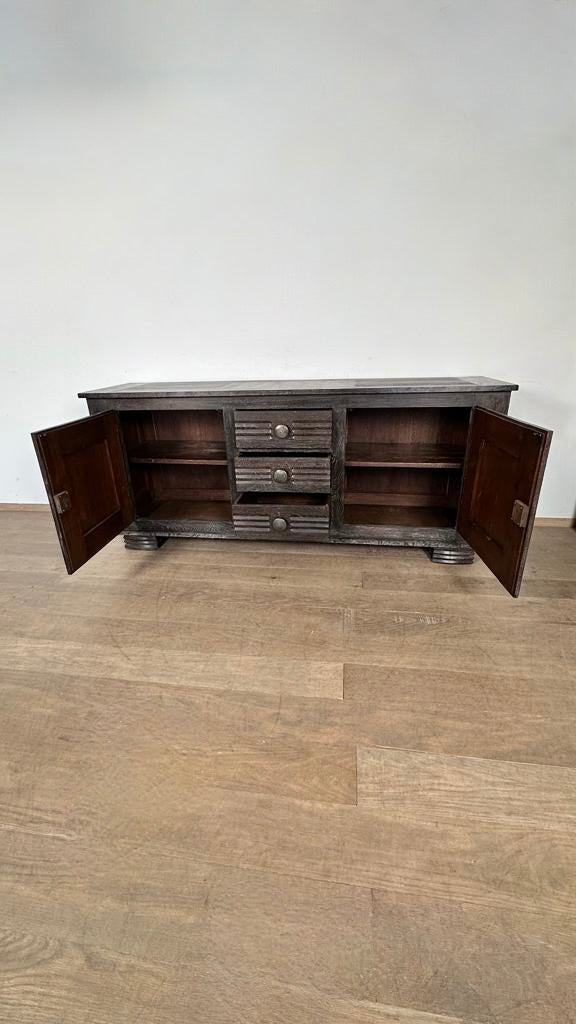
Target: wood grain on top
221,388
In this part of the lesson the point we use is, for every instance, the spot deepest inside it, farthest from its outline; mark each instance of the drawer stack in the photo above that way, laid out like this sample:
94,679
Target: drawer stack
282,473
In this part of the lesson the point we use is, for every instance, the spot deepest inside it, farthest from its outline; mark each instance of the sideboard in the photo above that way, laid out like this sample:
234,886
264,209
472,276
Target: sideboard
422,462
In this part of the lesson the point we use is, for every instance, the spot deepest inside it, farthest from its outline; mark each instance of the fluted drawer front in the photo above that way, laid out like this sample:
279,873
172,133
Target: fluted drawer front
305,429
281,522
282,474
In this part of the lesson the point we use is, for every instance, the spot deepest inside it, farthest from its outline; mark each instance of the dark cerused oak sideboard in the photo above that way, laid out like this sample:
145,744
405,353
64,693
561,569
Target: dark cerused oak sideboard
420,462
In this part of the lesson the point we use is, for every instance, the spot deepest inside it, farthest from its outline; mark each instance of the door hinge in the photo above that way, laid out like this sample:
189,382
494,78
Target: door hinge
520,513
62,502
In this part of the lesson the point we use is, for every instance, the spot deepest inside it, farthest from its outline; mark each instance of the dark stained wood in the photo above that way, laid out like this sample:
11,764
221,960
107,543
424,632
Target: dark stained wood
180,452
401,486
382,458
176,482
160,424
337,468
428,425
84,470
261,498
398,498
395,536
399,385
143,541
504,467
462,555
413,456
228,423
387,399
296,473
284,429
194,508
397,515
289,517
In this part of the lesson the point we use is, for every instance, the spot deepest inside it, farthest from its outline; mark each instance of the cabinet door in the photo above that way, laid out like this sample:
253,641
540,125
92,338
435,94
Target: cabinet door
503,471
84,469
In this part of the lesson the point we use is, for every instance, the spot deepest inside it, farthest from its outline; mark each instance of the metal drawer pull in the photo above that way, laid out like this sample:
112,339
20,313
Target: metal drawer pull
280,476
279,524
281,430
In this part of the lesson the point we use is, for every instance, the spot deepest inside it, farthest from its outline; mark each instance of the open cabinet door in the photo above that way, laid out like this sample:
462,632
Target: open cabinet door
84,470
503,471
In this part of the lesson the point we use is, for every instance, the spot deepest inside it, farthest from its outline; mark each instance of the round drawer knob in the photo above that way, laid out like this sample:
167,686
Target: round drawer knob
281,430
279,524
280,476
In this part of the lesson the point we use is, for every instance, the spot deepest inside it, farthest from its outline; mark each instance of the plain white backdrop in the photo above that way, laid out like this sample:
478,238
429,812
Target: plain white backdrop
286,188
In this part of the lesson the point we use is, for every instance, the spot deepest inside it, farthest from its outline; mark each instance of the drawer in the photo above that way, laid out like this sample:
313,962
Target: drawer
306,429
282,473
291,520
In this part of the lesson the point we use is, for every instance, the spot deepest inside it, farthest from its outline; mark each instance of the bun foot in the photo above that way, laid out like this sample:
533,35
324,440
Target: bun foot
143,541
462,555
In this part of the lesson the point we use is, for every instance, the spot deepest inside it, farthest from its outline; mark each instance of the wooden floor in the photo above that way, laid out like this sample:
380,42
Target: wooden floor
252,784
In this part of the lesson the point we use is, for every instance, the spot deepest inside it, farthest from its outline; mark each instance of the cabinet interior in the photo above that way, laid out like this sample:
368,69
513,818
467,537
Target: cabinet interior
282,498
178,464
403,467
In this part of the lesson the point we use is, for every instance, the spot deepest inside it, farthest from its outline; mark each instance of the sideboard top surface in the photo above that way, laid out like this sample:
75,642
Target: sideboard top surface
285,388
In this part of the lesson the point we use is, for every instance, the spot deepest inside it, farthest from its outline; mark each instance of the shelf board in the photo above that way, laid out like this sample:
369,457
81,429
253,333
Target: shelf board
397,515
376,454
197,509
194,453
396,499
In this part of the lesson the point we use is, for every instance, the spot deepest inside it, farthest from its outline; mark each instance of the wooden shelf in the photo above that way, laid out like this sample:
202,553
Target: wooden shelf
404,456
197,509
193,453
396,499
397,515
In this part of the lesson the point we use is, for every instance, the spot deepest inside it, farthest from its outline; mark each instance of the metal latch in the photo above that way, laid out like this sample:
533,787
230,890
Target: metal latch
62,502
520,513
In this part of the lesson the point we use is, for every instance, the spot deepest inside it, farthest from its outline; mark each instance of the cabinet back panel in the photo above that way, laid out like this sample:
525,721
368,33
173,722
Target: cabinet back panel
402,486
175,483
157,483
170,425
409,426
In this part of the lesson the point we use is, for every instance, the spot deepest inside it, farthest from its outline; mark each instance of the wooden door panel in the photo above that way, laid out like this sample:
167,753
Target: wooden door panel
503,472
84,470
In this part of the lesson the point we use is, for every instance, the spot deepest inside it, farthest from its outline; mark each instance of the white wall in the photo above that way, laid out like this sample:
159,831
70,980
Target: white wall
273,188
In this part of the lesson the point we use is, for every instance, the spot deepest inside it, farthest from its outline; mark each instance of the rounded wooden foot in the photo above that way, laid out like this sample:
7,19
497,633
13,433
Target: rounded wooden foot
143,541
453,556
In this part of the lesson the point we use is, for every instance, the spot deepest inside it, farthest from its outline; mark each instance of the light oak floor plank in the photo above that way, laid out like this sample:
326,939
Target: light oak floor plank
253,783
441,789
347,942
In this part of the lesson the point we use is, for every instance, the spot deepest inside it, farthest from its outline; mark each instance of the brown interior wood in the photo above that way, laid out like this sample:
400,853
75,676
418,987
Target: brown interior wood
176,457
442,426
397,515
415,455
84,470
169,425
193,510
403,466
180,452
280,498
396,489
504,468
